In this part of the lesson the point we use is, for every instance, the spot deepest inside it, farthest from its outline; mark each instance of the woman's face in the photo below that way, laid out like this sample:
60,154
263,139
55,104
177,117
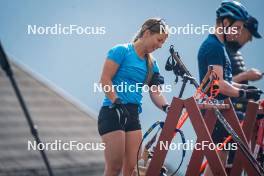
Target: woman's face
154,41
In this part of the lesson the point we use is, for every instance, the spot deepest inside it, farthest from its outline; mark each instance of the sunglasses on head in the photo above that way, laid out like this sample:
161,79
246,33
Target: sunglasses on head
160,22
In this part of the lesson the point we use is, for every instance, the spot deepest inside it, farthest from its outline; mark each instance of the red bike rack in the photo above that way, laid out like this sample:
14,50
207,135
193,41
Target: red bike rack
203,127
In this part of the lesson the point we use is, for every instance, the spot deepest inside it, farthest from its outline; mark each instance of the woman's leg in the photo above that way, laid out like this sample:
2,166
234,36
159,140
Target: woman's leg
114,152
133,139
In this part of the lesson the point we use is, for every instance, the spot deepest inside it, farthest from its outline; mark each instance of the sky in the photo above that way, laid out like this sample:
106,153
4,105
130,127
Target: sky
73,63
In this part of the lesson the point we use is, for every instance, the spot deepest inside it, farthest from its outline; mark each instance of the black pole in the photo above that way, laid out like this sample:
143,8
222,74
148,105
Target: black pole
185,80
33,128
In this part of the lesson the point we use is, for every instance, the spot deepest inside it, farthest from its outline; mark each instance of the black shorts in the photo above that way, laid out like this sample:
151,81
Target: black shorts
108,120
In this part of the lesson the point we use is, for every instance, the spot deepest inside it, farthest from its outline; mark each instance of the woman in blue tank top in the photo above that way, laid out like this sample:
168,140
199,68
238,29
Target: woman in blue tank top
128,70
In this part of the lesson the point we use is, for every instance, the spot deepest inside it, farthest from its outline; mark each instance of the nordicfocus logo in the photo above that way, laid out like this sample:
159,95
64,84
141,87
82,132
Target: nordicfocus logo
66,146
191,145
59,29
190,29
138,87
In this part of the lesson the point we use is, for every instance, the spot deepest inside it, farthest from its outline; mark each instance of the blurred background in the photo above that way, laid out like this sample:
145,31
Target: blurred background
71,64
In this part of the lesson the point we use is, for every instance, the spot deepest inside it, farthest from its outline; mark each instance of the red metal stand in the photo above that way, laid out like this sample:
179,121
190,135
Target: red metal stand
203,127
248,127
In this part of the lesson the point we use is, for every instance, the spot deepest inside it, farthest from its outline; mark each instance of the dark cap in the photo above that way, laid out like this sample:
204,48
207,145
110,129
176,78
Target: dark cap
252,25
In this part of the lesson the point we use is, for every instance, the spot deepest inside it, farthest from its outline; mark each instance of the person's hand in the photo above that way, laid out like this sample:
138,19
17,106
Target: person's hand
253,74
250,94
122,112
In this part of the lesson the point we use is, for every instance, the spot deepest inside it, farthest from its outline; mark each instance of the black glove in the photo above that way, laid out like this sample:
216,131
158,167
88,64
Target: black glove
247,87
250,94
166,108
252,87
156,79
122,112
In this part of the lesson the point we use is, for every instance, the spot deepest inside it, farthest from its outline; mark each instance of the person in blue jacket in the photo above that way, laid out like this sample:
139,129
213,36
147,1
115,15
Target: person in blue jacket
128,70
230,21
